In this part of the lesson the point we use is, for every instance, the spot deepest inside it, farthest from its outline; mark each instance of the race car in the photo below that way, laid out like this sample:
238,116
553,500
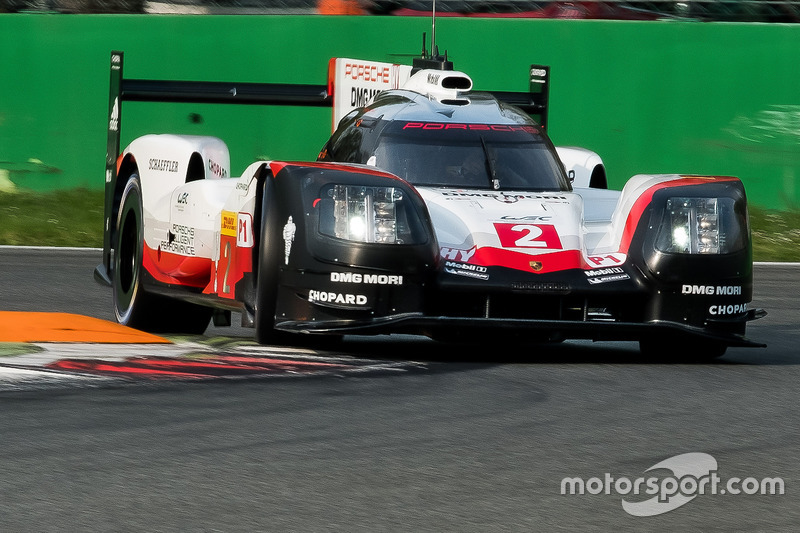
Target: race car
432,209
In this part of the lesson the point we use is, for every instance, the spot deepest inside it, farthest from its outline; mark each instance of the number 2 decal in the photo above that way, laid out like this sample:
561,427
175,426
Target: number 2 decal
227,255
528,236
529,239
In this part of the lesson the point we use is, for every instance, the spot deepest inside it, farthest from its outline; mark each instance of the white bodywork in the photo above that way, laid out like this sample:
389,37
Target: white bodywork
187,219
529,225
579,164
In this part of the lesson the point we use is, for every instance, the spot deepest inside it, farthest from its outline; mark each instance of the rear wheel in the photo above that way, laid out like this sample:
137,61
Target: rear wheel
133,305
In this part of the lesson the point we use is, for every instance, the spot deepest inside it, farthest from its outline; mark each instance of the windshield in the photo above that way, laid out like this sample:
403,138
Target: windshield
470,155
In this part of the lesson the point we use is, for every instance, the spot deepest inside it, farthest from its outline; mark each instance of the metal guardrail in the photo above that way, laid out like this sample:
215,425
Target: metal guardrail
703,10
727,10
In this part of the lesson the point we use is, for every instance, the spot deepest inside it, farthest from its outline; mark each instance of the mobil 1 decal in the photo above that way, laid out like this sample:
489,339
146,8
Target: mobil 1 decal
457,262
606,275
465,269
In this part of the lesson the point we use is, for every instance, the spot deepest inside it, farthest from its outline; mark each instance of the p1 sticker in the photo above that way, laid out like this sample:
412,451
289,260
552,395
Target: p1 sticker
244,233
607,260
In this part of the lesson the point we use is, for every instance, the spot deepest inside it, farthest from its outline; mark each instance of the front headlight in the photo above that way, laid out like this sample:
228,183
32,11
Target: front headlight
368,214
700,226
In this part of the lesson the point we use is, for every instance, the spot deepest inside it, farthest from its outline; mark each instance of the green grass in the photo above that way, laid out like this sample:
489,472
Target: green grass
13,349
75,218
62,218
776,234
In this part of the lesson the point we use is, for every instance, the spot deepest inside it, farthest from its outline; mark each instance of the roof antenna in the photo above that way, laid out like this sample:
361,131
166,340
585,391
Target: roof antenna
433,30
432,61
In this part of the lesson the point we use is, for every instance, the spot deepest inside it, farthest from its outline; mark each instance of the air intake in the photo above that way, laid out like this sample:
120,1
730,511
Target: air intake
459,83
439,85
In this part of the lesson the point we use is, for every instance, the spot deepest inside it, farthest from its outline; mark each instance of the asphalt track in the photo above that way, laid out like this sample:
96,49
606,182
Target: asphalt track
454,439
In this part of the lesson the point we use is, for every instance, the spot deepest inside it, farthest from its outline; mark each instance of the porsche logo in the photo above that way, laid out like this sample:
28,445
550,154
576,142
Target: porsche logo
536,265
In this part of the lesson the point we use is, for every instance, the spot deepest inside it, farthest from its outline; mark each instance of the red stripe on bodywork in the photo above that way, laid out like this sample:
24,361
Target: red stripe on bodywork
175,269
277,166
552,262
645,198
231,267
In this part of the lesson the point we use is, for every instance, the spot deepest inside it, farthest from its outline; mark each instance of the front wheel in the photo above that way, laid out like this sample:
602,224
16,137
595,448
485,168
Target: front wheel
133,305
270,252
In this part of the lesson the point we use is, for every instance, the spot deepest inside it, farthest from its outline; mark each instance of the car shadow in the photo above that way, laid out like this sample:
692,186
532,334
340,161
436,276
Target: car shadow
405,347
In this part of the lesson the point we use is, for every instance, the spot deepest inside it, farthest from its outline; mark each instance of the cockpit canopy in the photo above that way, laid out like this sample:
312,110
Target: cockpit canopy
480,145
475,156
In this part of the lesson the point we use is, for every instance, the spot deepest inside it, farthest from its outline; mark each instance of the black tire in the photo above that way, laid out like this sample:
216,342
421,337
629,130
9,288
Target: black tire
133,305
270,253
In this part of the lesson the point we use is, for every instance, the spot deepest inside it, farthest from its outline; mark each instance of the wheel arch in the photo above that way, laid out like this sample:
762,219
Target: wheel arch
585,167
265,254
247,294
127,167
195,170
262,174
598,179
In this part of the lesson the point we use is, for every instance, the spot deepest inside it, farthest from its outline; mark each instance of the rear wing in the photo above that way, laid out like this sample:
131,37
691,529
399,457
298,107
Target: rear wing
354,83
345,90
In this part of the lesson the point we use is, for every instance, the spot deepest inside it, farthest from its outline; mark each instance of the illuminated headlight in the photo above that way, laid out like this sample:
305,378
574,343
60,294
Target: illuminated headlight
368,214
700,226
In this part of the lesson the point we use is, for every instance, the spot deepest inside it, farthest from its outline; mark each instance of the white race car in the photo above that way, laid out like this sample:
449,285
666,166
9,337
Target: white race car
432,209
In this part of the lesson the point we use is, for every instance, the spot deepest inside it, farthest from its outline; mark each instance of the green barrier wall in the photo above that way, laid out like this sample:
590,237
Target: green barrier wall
648,96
